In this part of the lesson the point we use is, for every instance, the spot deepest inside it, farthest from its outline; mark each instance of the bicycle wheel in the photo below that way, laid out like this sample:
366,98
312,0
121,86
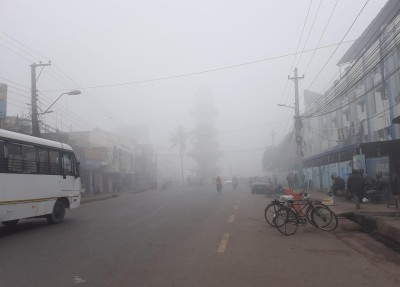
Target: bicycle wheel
286,221
310,208
270,212
324,218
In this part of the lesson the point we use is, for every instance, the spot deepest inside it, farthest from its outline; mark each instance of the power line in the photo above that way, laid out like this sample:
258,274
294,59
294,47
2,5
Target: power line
358,74
52,73
322,100
323,32
301,36
199,72
309,33
294,60
326,63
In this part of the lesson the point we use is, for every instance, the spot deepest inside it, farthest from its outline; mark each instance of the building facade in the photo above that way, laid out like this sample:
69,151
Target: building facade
107,162
355,123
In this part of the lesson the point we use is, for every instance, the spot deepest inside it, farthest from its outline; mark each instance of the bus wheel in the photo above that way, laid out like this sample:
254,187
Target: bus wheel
10,223
58,213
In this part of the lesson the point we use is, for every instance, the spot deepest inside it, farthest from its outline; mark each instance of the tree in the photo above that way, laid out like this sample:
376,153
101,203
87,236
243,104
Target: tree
205,145
178,139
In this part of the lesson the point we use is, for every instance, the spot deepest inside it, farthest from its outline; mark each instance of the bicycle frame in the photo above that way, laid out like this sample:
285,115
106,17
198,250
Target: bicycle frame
302,208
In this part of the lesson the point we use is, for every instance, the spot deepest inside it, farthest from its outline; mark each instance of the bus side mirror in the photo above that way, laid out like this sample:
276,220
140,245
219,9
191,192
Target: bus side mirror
78,168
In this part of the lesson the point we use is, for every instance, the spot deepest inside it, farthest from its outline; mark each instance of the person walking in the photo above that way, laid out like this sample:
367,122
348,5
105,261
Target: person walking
219,185
355,184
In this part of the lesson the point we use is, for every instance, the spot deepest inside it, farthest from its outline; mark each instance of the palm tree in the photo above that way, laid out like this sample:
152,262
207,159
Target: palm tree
178,139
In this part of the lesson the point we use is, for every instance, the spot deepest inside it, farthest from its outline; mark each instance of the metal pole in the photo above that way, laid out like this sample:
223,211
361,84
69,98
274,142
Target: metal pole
54,103
35,120
298,127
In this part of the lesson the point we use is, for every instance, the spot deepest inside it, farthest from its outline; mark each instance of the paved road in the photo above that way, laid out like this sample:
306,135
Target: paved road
187,237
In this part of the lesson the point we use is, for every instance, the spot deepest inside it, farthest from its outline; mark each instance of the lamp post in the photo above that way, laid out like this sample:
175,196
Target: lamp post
282,105
72,93
37,133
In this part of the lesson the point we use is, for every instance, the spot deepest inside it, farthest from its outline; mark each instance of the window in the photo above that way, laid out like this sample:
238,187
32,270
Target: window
44,162
29,164
54,157
14,158
3,161
68,163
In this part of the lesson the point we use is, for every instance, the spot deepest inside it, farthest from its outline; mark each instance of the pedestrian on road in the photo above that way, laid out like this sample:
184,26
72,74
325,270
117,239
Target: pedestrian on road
219,185
355,184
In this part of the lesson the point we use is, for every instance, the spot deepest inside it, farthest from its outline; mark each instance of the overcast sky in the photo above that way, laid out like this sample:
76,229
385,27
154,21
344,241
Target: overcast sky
111,49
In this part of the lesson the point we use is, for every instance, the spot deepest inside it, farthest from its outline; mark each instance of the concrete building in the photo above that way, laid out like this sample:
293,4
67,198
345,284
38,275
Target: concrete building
107,161
355,123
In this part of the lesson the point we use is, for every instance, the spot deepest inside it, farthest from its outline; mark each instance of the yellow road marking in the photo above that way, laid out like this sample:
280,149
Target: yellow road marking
223,243
232,218
78,280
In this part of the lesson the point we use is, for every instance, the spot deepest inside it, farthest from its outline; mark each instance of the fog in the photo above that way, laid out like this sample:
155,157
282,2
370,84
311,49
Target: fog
142,63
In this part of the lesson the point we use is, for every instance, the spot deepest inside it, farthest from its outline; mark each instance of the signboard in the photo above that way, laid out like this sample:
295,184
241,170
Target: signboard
3,100
95,157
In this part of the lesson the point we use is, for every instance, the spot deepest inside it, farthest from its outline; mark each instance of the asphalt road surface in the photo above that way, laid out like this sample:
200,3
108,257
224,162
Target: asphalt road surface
188,237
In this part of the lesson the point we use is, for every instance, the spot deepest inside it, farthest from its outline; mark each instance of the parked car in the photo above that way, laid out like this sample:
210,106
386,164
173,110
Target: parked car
262,185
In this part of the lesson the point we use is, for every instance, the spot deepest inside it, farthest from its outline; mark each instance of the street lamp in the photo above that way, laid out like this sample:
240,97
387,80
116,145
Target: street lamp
72,93
282,105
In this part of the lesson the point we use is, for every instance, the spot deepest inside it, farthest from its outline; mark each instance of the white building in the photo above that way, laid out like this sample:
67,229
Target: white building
354,124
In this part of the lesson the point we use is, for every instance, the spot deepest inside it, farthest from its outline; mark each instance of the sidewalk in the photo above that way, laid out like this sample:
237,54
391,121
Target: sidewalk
374,216
96,197
86,198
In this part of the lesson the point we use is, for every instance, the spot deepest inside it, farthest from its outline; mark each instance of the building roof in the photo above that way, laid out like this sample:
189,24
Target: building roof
370,35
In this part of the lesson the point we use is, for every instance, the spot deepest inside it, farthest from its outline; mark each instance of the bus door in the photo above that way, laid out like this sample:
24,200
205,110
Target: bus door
70,182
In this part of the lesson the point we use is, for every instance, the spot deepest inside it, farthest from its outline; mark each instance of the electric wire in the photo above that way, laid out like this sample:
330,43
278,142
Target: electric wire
319,41
309,33
337,47
322,101
53,75
354,77
294,60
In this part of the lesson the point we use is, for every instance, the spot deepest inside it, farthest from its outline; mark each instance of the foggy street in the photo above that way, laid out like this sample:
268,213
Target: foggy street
146,109
187,237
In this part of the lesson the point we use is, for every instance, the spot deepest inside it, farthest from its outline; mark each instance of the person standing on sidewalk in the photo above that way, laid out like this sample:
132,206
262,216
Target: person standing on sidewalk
355,184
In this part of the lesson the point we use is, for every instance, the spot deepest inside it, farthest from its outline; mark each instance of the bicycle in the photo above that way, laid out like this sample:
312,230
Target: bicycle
270,210
289,215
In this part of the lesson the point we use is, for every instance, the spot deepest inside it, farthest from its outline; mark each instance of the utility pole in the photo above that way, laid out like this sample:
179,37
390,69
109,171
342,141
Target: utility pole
298,125
35,120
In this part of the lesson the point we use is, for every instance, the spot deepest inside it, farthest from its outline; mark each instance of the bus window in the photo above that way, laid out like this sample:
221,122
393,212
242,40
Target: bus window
29,159
67,164
2,158
14,158
54,157
44,164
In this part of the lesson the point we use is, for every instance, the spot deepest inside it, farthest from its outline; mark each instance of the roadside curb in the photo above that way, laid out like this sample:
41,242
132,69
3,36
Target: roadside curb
389,228
98,198
386,227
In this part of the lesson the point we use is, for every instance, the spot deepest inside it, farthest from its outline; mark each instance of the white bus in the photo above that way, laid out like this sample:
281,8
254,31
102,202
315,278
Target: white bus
38,178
